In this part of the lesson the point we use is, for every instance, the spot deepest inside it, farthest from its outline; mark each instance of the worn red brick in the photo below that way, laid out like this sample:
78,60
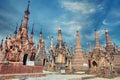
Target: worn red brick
18,68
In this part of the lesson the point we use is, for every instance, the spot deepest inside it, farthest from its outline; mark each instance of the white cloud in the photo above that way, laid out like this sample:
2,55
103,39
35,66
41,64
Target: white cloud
112,18
72,26
70,22
75,27
82,7
111,23
105,22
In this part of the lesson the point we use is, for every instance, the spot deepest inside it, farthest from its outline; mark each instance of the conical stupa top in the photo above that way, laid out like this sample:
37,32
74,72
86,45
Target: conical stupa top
16,29
20,28
78,44
27,11
1,43
41,33
108,42
32,32
26,16
52,44
41,37
59,37
59,33
97,45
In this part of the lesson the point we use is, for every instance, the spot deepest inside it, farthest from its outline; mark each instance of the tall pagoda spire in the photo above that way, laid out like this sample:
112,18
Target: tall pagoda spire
52,44
59,37
1,45
19,31
97,45
27,12
78,44
41,40
108,42
41,34
16,29
20,28
78,59
15,33
24,31
31,34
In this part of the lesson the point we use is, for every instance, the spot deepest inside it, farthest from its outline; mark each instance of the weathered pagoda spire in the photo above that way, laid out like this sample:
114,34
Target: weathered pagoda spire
31,34
26,16
41,34
78,59
5,44
1,45
96,39
97,44
60,37
78,44
108,42
24,32
19,31
41,41
20,28
15,33
52,44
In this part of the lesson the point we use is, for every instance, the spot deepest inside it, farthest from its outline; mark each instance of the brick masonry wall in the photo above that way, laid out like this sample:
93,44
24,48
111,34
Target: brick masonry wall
19,68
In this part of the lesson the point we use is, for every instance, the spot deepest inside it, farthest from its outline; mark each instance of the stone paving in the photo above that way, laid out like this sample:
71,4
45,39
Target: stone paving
57,76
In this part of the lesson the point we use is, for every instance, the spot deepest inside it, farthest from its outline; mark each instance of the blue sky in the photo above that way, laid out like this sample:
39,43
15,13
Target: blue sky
71,15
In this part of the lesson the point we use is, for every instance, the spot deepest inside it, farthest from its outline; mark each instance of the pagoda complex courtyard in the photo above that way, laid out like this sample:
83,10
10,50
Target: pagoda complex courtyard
19,54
